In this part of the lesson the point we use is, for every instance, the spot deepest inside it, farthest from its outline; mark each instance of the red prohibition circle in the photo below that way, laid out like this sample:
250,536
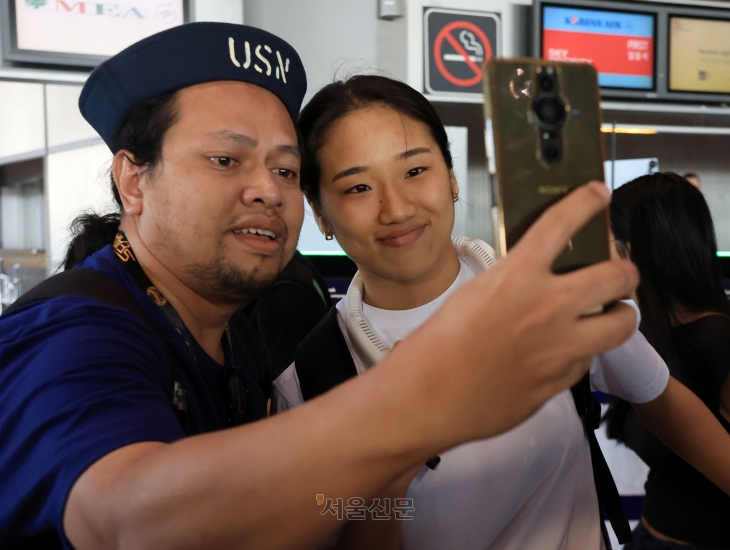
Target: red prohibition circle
464,82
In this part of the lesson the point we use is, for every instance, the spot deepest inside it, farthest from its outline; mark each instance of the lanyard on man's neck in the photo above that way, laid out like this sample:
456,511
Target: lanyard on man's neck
237,399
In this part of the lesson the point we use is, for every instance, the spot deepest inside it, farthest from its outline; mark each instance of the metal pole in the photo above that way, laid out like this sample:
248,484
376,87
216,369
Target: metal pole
17,290
613,155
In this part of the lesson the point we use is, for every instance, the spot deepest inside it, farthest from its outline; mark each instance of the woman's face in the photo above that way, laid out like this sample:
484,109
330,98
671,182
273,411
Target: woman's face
387,194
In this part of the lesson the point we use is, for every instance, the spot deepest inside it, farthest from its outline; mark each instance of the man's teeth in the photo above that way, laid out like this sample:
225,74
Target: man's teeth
255,231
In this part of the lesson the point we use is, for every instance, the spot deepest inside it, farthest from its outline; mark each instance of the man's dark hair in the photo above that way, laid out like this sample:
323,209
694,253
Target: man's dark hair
337,100
663,224
141,133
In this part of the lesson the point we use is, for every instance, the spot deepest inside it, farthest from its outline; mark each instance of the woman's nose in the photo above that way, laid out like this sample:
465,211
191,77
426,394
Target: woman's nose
396,205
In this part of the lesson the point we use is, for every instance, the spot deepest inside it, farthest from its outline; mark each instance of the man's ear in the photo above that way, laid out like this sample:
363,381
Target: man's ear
128,179
454,186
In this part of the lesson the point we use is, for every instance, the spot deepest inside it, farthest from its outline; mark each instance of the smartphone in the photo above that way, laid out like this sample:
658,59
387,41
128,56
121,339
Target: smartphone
543,131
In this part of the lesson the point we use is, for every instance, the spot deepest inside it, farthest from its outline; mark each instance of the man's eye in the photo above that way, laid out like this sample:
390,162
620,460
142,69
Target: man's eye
223,161
415,171
286,173
358,189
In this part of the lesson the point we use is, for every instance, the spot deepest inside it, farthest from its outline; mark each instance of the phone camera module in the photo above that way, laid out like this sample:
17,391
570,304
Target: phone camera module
550,112
545,83
551,153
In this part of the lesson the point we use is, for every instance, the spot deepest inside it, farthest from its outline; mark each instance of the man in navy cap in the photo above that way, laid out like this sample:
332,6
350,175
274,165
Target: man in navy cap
118,377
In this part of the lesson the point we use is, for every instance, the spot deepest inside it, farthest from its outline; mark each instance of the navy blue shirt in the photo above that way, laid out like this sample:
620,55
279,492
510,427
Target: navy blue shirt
80,379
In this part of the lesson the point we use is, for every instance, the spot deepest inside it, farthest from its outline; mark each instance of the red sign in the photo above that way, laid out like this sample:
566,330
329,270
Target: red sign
438,54
612,54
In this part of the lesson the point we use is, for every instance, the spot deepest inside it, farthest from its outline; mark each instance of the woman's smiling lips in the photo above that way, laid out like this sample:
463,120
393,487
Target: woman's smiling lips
403,237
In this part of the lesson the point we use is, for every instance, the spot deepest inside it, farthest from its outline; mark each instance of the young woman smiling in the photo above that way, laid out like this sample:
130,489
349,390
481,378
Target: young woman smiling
378,173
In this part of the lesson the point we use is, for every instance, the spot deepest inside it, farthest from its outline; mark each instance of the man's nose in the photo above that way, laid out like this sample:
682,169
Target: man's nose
261,187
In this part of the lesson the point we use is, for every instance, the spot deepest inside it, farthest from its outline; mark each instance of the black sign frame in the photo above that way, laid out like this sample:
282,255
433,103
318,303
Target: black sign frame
452,80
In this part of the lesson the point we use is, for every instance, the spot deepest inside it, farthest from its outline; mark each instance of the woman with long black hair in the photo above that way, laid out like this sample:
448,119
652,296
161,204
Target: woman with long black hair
662,223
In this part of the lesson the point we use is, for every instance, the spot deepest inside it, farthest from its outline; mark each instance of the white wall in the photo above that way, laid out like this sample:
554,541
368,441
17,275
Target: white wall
331,36
65,125
21,120
223,11
76,180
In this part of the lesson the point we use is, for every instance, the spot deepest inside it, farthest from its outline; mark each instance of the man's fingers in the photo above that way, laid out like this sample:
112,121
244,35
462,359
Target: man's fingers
549,235
598,284
599,333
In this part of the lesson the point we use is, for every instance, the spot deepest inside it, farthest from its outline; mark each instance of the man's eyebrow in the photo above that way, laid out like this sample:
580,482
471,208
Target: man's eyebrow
350,172
413,152
289,150
238,137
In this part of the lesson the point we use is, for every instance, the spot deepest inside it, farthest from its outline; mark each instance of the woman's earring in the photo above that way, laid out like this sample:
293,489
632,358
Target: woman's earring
328,236
456,198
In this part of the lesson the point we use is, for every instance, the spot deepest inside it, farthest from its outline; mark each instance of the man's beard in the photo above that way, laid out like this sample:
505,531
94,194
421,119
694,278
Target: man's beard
227,282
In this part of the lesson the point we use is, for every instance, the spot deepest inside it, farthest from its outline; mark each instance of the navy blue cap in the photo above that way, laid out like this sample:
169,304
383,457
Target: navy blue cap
184,56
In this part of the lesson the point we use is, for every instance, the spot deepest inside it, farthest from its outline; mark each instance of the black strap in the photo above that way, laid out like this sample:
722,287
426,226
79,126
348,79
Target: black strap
255,348
590,412
322,359
299,272
96,285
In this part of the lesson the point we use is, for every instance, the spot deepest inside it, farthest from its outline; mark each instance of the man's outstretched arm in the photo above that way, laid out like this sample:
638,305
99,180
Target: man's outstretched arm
500,347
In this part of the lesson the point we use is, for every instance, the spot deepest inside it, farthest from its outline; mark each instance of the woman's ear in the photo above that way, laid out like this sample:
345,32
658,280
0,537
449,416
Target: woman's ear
127,178
454,186
322,222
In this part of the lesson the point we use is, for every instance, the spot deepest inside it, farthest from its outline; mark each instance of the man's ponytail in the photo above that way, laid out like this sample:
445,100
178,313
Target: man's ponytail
141,133
90,232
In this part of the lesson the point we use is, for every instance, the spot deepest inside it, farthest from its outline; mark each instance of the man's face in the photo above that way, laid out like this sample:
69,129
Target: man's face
223,208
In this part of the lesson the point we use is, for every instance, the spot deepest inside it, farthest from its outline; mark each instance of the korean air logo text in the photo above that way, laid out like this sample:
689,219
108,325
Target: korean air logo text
594,23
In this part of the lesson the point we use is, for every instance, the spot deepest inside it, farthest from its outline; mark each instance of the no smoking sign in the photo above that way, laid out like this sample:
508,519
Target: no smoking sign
458,45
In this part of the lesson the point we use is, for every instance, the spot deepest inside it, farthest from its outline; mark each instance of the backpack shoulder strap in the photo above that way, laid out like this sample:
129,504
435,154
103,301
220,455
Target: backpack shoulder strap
256,351
323,359
89,283
589,411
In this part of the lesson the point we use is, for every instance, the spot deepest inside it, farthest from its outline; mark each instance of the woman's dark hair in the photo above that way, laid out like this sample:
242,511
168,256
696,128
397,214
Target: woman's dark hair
337,100
141,133
662,223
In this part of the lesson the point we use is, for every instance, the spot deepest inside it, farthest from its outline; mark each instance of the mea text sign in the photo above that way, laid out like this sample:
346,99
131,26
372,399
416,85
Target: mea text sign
458,44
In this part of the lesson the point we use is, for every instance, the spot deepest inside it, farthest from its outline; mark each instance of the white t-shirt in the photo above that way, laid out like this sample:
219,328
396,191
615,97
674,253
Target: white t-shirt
530,488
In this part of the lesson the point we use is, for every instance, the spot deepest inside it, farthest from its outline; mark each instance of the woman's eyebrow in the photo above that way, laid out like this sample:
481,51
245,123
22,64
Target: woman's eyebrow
413,152
350,172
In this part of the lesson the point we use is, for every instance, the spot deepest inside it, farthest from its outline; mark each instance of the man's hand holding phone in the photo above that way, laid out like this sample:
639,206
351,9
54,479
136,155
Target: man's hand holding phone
516,335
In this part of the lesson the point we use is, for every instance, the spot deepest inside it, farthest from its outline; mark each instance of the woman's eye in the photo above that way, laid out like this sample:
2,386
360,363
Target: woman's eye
415,171
225,162
358,189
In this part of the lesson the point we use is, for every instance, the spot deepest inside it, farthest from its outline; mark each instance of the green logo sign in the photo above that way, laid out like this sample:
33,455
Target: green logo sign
36,3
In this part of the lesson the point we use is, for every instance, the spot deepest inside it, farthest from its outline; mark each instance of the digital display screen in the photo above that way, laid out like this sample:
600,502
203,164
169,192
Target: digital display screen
91,28
699,55
620,45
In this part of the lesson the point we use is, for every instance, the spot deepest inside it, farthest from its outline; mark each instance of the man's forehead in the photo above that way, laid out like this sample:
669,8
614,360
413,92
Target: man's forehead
187,56
234,111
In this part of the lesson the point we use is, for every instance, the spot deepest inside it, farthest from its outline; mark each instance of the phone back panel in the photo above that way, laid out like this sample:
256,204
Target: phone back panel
527,183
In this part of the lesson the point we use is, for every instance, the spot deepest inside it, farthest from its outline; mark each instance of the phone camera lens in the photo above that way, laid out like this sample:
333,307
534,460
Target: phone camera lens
550,111
551,153
545,83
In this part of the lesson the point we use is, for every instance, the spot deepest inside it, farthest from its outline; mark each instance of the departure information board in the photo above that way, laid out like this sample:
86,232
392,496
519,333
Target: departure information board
699,55
620,45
